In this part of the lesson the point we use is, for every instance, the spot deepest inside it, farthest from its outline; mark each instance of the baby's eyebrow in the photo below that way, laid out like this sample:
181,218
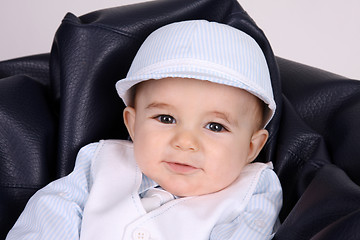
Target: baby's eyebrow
158,105
224,115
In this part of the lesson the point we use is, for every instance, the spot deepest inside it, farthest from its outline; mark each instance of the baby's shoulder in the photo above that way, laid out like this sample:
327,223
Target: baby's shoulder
92,147
268,180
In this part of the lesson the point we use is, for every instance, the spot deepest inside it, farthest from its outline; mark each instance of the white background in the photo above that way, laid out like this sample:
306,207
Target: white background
320,33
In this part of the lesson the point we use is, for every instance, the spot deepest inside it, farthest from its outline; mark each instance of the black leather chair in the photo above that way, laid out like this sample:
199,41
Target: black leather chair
53,104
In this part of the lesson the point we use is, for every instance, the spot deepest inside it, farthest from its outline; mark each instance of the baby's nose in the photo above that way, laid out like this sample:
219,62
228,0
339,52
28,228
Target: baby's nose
186,141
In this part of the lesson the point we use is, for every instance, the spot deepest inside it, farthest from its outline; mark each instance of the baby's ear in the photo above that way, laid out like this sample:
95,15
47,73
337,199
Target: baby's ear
257,142
129,116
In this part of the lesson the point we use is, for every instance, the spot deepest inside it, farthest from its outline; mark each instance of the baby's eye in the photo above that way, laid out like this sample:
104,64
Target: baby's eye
215,127
167,119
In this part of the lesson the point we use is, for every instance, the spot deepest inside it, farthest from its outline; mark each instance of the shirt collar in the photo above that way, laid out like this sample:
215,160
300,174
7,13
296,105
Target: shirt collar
146,184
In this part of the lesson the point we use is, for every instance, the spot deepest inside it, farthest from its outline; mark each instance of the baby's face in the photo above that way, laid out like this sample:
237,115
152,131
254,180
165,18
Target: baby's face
193,137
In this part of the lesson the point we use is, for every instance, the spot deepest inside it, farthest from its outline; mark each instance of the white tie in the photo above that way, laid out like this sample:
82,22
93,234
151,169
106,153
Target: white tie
154,198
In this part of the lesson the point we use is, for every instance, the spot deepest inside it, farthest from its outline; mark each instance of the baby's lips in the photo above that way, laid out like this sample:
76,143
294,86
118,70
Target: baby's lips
181,168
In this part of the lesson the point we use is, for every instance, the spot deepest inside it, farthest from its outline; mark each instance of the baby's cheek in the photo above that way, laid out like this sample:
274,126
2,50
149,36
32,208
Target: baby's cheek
230,173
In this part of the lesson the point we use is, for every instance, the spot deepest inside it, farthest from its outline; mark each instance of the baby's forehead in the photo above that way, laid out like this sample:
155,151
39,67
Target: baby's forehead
204,98
204,90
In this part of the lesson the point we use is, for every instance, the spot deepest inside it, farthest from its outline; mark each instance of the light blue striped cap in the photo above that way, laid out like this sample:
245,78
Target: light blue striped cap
201,50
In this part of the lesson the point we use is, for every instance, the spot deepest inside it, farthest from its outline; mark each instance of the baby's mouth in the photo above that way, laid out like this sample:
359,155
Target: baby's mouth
181,168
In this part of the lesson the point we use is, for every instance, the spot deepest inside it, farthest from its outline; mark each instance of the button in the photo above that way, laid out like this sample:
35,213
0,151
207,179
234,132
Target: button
141,234
260,223
62,194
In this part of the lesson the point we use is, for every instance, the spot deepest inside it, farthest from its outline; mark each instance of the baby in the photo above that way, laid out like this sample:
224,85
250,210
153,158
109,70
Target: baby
198,97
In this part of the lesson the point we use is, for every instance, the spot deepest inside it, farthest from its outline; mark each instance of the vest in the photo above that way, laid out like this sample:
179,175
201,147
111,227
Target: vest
114,210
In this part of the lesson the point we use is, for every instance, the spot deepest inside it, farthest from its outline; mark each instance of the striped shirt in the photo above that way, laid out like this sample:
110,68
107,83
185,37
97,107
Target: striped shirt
55,212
